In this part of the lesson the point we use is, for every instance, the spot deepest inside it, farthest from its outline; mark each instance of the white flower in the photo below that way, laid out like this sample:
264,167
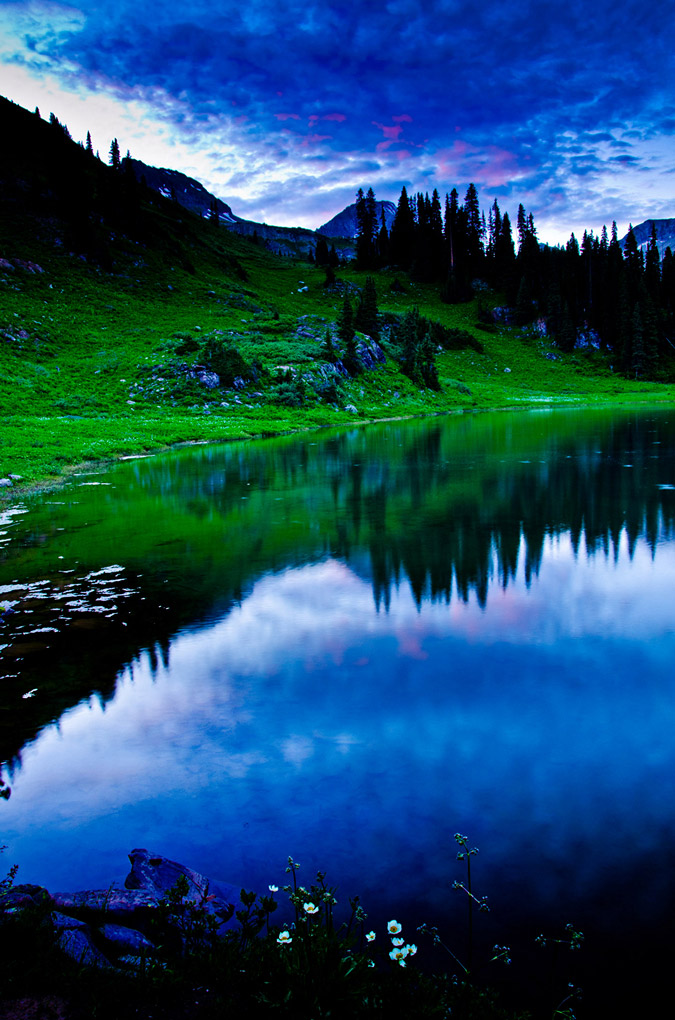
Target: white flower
370,937
402,963
284,938
311,908
371,963
273,888
412,949
398,954
393,927
397,942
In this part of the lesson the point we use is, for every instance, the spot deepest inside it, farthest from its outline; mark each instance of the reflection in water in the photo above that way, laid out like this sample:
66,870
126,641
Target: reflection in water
350,648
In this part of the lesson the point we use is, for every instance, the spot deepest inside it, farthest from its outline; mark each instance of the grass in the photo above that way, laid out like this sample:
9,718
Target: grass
86,355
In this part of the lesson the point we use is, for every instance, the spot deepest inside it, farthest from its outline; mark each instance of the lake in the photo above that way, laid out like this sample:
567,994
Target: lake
349,646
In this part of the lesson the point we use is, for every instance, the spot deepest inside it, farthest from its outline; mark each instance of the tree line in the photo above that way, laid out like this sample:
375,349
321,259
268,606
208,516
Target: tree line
619,299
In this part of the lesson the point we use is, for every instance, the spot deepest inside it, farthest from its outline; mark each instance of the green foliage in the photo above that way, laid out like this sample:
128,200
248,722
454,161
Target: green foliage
224,358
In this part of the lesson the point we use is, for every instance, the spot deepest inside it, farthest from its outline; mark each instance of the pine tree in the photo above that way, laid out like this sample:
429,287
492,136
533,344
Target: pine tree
114,155
89,147
365,319
328,352
345,324
321,252
402,237
366,225
653,266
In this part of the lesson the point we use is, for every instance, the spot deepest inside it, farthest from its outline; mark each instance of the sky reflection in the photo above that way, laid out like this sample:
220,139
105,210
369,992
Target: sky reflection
306,719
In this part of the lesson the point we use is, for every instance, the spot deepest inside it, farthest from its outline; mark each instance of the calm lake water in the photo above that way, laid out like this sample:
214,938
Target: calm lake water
349,646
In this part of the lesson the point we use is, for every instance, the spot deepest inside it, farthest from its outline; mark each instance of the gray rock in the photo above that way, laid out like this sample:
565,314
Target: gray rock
64,922
21,896
128,906
351,409
207,378
77,943
6,483
126,941
157,875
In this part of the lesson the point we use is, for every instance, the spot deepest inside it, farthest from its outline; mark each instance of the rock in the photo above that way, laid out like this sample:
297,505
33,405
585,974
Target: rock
123,905
156,875
18,897
77,943
507,369
126,941
6,483
64,922
351,409
15,478
204,376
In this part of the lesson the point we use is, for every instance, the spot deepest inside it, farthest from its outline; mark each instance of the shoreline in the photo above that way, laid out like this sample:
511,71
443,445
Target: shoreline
51,483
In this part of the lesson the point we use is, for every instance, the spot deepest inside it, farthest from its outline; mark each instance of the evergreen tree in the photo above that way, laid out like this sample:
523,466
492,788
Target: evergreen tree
383,241
366,236
365,319
89,147
402,238
328,352
114,155
653,266
345,324
321,256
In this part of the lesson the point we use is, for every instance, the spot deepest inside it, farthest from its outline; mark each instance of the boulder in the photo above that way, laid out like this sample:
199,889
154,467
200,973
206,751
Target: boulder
77,943
125,906
157,875
125,941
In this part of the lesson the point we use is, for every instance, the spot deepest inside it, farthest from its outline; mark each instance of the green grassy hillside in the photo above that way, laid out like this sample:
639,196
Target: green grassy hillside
115,303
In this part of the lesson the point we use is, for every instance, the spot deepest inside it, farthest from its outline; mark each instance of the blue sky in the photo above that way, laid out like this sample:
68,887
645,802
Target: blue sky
284,109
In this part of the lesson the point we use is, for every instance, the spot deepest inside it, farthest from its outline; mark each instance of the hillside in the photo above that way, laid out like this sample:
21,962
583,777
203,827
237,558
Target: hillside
128,323
290,242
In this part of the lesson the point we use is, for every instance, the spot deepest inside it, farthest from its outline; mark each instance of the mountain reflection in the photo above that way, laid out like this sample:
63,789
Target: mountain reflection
453,506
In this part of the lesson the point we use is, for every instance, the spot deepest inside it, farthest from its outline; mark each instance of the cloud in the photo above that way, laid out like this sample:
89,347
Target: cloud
539,91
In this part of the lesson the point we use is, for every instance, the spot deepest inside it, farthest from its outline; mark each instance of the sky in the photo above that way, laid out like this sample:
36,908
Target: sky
284,108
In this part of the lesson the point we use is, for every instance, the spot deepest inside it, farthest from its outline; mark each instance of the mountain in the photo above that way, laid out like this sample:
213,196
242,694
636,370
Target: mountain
345,223
289,241
665,235
185,190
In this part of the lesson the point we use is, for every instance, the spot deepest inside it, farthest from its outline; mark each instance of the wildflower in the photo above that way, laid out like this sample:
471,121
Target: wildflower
393,927
273,888
412,949
398,954
284,938
311,908
397,942
371,963
370,937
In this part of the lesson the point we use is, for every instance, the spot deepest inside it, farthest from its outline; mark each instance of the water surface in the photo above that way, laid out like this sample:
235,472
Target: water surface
349,647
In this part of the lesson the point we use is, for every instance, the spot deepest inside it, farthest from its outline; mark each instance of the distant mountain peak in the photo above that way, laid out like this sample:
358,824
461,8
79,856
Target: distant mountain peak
345,224
665,235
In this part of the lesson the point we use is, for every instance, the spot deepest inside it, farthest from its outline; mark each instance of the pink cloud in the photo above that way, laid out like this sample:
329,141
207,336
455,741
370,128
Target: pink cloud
339,117
492,166
391,133
287,116
312,140
403,118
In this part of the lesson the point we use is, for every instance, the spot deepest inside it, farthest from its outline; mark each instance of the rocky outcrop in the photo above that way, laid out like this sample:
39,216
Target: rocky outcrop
113,928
